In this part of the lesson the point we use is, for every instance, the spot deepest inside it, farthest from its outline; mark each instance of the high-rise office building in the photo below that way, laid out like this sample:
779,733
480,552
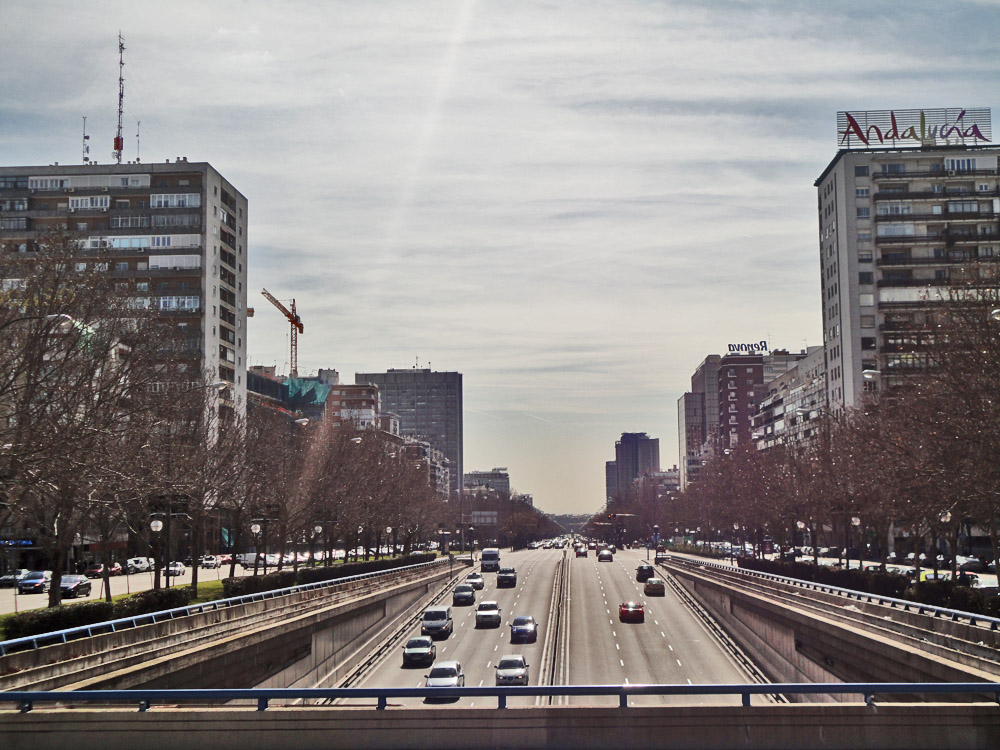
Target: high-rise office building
698,419
429,406
176,234
635,454
908,205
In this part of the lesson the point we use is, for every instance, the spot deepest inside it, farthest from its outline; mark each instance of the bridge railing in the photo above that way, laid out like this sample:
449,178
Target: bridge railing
111,626
145,699
955,615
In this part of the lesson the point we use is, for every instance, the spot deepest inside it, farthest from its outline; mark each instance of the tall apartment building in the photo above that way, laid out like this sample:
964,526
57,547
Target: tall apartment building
635,454
498,479
176,233
909,204
698,419
794,400
429,406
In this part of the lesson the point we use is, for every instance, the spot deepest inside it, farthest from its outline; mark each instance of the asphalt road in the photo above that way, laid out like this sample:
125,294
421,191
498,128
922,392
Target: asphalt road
671,646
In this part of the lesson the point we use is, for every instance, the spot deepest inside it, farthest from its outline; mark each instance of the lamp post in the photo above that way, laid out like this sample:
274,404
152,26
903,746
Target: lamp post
736,536
255,530
156,526
856,523
472,542
388,536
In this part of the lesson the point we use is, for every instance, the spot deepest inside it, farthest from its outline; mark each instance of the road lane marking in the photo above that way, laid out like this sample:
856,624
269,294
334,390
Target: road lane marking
669,646
679,663
618,647
689,681
664,635
621,662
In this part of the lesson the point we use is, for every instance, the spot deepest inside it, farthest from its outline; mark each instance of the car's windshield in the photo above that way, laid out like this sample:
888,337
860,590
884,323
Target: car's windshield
510,664
523,621
417,643
32,576
439,672
486,606
435,615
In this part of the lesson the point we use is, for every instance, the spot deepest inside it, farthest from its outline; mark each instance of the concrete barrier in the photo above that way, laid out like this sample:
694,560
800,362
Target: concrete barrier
776,727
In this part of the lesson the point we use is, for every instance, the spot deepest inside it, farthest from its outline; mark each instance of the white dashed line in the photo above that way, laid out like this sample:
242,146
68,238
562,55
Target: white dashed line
689,681
619,648
664,635
678,662
669,646
621,662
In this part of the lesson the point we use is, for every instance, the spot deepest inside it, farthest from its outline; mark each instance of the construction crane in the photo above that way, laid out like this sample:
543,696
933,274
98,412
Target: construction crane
297,328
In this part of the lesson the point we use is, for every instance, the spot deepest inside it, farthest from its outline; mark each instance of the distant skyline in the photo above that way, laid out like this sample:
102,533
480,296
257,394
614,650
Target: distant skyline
570,203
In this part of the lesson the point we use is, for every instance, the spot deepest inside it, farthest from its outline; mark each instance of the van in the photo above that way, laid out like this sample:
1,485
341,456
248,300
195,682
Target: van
436,622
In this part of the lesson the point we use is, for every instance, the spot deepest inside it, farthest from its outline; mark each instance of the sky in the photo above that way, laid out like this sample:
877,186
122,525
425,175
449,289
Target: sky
570,203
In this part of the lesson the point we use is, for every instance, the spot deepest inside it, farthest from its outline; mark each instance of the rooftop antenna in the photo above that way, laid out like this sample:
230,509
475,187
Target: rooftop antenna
137,124
86,142
119,141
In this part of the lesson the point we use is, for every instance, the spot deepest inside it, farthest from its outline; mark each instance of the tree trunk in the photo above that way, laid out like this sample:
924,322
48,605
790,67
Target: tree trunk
58,563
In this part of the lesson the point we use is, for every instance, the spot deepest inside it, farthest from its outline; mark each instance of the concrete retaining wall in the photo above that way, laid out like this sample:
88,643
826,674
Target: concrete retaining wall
799,726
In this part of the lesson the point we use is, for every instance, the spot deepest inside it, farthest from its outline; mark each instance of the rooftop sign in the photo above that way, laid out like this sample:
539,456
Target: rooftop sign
913,127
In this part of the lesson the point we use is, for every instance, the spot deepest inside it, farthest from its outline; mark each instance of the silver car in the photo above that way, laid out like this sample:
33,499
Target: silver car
445,674
512,669
488,613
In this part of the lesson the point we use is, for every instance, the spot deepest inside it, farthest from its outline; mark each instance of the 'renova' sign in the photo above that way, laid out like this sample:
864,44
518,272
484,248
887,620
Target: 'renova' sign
751,348
916,127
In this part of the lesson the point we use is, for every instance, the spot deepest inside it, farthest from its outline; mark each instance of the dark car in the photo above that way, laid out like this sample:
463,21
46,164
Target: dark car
463,594
644,572
9,580
605,555
73,586
506,577
523,628
419,650
94,570
36,582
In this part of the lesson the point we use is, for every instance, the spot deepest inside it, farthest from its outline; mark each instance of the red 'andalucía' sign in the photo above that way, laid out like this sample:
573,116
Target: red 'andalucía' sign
901,127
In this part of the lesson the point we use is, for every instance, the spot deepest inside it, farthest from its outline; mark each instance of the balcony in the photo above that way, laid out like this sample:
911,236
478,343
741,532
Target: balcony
948,261
935,174
891,195
964,216
901,283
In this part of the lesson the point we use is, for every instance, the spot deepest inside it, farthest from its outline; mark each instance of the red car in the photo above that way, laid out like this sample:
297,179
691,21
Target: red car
631,612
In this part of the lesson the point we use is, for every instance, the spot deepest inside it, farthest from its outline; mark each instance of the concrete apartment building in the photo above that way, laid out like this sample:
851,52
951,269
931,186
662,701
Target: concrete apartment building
909,204
636,454
698,419
176,233
429,406
794,400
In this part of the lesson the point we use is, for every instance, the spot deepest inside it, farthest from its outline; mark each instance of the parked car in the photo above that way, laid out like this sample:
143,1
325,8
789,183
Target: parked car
175,569
488,613
9,580
139,565
73,586
35,582
419,650
208,561
512,669
94,570
115,569
631,612
523,628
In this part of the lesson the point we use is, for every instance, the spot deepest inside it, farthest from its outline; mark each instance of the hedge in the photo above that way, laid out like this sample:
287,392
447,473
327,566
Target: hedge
38,621
286,578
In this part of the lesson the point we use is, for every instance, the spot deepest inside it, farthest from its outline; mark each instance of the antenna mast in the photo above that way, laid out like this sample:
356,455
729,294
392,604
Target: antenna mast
119,141
137,124
86,142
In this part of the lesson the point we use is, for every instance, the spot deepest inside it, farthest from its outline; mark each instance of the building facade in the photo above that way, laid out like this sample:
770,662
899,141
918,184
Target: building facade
636,454
496,479
794,400
429,406
900,218
176,234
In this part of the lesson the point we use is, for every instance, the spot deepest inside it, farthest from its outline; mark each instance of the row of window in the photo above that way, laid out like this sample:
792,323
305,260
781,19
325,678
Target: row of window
157,220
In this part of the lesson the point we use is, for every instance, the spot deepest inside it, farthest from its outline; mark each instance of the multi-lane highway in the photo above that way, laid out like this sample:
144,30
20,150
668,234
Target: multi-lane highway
587,645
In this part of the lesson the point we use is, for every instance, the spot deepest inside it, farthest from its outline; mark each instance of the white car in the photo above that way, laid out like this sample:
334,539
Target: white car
476,581
512,669
139,564
488,613
445,674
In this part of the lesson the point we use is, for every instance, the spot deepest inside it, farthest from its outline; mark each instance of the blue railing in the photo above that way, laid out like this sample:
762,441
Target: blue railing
144,699
112,626
952,614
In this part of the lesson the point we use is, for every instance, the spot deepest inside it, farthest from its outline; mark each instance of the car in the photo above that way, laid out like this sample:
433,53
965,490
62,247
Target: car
506,577
605,555
592,545
419,650
631,612
512,669
612,549
209,561
73,586
476,580
139,564
488,613
436,622
463,594
9,580
523,628
644,572
115,569
655,587
94,570
581,551
445,674
35,582
175,569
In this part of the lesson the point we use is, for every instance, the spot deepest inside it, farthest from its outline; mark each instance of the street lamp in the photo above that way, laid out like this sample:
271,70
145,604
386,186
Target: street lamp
388,532
255,530
856,523
156,526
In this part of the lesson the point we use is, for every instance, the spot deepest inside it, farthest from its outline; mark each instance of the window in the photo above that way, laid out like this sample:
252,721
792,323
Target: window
866,300
864,236
895,230
864,212
861,170
867,342
960,165
963,207
895,208
894,168
175,200
121,266
142,286
864,256
866,277
983,187
867,321
861,192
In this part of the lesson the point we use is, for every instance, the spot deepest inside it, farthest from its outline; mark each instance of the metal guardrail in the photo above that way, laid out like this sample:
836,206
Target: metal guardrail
26,700
112,626
953,614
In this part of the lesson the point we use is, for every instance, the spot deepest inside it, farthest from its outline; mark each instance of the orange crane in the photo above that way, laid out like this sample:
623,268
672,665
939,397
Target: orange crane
297,328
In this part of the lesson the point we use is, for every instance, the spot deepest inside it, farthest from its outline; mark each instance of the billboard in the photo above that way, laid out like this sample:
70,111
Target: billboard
914,127
484,518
